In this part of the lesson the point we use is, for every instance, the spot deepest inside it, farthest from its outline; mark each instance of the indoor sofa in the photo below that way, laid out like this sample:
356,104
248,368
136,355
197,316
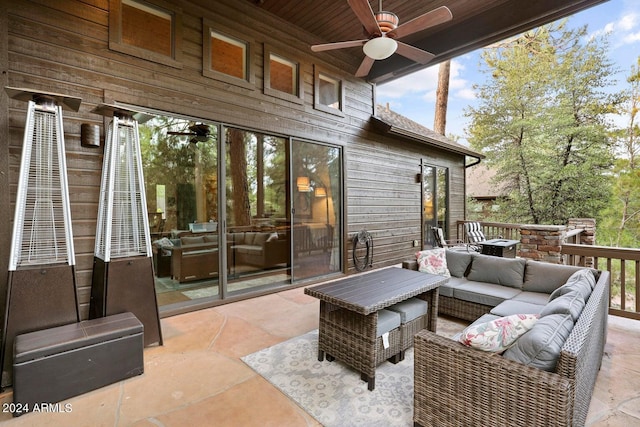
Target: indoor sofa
258,248
546,377
195,256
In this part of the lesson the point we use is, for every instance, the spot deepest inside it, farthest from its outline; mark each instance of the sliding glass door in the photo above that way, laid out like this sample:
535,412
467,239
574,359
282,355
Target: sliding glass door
258,231
180,162
317,204
236,211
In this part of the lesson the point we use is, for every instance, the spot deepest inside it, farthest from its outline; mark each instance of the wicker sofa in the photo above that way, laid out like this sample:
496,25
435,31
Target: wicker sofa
456,385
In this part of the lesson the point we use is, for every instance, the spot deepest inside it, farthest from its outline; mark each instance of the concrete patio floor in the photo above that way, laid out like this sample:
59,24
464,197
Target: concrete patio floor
197,378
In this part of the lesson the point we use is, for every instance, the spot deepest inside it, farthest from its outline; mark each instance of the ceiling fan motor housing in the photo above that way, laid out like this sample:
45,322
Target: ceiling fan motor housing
387,21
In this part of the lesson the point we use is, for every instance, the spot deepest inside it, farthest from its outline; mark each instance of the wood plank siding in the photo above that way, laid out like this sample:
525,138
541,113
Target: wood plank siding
63,46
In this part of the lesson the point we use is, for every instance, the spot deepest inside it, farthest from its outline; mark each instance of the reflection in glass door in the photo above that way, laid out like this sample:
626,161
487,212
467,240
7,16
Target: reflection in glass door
274,216
434,202
258,226
316,221
180,162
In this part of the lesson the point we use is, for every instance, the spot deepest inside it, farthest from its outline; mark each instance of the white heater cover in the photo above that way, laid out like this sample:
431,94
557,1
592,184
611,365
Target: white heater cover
123,225
42,223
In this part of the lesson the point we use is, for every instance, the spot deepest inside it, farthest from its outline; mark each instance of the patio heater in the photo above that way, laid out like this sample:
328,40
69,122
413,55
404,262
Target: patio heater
41,287
123,278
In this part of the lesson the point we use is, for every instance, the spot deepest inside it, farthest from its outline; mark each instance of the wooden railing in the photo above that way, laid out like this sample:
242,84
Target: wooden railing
624,266
573,236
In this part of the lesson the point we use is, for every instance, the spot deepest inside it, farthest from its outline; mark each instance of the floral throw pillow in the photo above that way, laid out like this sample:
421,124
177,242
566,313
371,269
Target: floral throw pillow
499,334
433,261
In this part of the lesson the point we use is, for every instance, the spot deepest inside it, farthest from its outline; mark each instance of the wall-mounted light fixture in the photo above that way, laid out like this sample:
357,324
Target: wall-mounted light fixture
90,135
321,192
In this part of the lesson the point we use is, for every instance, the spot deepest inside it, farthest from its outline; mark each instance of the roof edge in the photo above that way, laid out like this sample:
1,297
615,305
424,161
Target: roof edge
387,127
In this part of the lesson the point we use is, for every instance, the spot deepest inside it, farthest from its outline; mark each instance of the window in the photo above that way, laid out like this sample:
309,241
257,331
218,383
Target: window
282,77
148,31
227,56
328,94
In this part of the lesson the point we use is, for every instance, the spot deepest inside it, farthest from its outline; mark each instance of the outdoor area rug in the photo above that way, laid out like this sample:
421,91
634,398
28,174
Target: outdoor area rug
333,393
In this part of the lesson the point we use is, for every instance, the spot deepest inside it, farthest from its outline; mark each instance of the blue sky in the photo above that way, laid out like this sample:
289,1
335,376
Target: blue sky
414,96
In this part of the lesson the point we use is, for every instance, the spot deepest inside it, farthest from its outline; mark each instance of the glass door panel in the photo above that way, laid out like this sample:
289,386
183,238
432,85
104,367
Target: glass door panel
434,202
429,205
257,210
316,220
180,162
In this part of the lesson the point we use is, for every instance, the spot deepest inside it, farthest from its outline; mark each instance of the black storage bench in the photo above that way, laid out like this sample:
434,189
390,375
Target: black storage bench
55,364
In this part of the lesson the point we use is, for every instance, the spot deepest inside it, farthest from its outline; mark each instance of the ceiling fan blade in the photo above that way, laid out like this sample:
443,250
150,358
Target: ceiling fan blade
413,53
337,45
365,67
363,11
422,22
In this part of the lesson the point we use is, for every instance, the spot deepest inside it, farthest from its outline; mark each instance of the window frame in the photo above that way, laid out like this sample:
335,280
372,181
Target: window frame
268,90
115,33
318,74
209,27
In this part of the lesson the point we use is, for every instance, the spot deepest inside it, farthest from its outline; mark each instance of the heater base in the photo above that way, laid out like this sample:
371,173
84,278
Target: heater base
126,284
38,298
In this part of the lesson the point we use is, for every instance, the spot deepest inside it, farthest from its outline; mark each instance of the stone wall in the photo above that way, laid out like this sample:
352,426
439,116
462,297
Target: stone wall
588,236
544,242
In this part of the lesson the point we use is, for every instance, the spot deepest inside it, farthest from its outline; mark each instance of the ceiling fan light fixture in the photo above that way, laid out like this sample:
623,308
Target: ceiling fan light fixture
380,47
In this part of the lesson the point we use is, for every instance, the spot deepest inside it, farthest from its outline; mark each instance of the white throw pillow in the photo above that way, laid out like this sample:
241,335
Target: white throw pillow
499,334
433,261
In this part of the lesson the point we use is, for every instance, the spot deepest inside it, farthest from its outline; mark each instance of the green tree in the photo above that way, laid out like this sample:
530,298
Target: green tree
621,218
541,123
177,163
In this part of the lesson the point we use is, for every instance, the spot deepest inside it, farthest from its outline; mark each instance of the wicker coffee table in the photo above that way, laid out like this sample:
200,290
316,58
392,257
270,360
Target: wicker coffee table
349,314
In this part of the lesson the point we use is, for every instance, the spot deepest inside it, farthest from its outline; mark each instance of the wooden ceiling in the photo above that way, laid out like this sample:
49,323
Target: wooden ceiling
475,24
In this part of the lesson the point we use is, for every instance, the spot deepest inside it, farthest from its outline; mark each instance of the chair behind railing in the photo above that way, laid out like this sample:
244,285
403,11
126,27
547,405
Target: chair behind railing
491,230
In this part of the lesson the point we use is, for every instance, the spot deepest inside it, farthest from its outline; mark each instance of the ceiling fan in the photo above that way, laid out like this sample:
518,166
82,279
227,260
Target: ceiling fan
384,34
199,131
